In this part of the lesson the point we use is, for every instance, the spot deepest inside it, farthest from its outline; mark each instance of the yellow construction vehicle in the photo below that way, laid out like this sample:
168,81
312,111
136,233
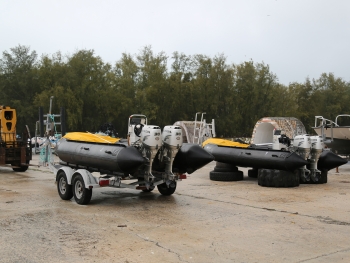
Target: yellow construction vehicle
14,150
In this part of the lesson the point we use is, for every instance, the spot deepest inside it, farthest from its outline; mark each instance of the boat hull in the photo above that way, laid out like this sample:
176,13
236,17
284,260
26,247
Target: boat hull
190,158
256,158
340,143
104,157
329,160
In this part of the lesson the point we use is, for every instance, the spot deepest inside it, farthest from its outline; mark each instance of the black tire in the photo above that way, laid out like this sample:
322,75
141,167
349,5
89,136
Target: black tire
165,190
278,178
253,173
225,167
322,178
64,189
81,195
21,168
226,176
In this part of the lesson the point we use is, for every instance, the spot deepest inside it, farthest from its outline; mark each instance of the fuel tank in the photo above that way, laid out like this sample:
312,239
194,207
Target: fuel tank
100,156
190,158
256,158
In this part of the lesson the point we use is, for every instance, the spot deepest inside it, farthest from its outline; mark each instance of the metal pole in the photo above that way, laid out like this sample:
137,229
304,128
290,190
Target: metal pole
47,133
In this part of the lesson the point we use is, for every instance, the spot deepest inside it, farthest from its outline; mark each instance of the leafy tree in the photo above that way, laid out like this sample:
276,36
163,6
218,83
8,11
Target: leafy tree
19,75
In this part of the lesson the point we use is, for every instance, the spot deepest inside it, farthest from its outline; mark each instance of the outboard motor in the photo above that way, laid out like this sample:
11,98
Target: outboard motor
172,142
150,144
316,150
302,145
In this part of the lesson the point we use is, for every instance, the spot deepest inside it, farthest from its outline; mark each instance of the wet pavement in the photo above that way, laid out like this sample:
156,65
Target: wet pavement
203,221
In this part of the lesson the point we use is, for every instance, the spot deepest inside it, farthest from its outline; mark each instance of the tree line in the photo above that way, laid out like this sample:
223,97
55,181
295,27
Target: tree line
165,89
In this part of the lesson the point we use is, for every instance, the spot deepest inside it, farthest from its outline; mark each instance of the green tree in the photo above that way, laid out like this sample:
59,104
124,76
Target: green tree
19,79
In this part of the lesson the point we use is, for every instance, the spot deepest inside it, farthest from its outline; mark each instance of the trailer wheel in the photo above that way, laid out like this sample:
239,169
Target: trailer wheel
278,178
165,190
63,188
81,195
21,168
226,176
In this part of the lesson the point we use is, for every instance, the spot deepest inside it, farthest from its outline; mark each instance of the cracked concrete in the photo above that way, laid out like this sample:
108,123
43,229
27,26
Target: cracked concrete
203,221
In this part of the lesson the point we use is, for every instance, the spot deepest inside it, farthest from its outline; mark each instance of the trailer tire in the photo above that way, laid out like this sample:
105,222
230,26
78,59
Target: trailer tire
64,189
21,168
278,178
81,194
165,190
226,176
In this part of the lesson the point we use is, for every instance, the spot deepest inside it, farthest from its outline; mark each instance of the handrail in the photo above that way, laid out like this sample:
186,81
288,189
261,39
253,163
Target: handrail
341,115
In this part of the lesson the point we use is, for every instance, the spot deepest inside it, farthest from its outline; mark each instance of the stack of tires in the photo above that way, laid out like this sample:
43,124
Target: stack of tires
266,177
226,172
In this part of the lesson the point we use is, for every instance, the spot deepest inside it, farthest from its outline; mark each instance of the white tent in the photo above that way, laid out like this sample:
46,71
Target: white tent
263,129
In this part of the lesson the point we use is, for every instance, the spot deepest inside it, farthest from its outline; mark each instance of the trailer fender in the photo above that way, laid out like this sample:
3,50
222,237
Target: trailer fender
69,173
89,180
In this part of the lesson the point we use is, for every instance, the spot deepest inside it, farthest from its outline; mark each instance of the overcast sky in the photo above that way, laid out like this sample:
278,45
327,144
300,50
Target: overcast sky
296,38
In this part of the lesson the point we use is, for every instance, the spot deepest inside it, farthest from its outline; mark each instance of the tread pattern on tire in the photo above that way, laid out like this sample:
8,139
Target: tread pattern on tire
278,178
69,191
87,193
226,176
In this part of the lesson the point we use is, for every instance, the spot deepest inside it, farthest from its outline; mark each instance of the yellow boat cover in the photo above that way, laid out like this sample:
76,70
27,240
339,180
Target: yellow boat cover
223,142
90,137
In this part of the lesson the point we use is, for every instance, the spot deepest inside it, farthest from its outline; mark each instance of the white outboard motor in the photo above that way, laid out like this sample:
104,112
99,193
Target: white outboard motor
302,146
172,142
317,146
150,144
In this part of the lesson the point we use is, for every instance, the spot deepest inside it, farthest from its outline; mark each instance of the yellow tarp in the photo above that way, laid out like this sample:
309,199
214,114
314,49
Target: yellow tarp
223,142
90,137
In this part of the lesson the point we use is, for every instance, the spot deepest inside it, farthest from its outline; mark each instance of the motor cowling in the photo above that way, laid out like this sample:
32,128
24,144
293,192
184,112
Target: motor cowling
150,145
302,145
151,136
317,146
172,136
172,142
